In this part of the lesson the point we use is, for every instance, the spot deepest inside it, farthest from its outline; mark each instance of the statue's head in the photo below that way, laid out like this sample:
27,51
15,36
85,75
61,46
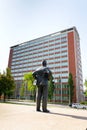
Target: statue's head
44,63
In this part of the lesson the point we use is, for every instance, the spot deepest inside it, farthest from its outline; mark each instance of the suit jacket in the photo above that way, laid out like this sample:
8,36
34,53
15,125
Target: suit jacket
42,75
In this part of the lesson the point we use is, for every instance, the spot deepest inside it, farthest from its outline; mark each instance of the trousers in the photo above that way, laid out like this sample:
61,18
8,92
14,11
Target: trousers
42,93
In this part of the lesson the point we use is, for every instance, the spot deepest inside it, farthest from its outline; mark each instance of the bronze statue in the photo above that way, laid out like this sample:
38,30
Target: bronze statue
42,75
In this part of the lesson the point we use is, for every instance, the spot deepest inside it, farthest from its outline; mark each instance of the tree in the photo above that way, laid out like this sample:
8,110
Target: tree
7,84
11,82
0,85
71,88
85,84
28,83
51,88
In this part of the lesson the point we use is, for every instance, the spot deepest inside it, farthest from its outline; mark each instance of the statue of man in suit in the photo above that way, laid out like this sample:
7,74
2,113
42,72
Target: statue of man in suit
42,75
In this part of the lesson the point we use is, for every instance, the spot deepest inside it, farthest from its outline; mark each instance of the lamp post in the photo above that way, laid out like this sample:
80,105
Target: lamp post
25,89
54,92
69,96
61,91
61,87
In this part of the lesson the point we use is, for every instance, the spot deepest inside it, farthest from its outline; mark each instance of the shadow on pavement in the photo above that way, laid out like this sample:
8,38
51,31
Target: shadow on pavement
73,116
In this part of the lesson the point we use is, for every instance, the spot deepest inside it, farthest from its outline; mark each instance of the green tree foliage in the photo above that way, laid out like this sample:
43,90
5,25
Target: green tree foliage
51,88
71,88
29,79
10,82
0,86
22,89
7,84
28,83
85,84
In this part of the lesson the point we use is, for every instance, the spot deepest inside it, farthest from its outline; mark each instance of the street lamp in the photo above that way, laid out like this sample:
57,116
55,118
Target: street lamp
61,87
69,97
25,89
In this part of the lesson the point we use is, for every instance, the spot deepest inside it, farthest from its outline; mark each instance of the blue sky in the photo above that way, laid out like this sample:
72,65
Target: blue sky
24,20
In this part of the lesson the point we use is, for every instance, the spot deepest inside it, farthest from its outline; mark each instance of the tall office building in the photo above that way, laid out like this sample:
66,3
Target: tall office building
62,52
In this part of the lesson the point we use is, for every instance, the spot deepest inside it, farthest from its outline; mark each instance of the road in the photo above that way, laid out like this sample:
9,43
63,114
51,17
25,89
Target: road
25,117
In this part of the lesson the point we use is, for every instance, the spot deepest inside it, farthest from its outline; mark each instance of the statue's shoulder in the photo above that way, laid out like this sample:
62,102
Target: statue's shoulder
39,68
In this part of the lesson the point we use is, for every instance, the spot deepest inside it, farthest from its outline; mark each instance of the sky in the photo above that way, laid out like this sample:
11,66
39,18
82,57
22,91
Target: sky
24,20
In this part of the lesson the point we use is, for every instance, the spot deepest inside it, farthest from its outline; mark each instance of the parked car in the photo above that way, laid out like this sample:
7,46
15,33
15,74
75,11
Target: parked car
84,107
78,105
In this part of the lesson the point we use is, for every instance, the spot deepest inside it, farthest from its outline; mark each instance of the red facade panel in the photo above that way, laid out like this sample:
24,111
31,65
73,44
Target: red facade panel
10,58
72,64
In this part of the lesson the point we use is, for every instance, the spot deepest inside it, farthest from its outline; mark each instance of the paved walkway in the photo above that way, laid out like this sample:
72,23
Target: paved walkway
24,117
